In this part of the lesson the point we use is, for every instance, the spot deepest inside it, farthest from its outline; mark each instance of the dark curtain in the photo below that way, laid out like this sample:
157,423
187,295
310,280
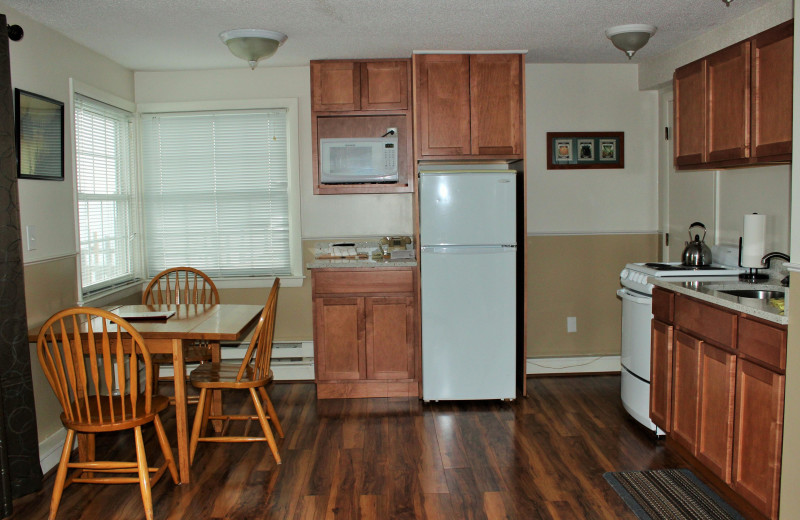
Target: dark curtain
20,471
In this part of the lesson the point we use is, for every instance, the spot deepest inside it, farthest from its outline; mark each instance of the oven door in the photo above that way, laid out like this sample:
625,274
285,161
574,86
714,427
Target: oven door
637,314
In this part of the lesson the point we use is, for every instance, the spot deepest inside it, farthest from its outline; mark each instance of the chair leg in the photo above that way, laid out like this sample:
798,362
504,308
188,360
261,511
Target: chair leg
273,415
61,474
165,448
262,418
198,419
144,474
156,370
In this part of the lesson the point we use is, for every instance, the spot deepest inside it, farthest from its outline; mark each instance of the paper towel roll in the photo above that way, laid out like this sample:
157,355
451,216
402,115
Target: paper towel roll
753,240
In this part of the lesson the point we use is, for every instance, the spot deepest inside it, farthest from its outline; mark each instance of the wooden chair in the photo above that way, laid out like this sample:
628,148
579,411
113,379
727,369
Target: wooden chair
96,378
175,286
253,377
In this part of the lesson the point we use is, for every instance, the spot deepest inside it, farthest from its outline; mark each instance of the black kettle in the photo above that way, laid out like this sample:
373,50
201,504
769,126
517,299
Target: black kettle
696,253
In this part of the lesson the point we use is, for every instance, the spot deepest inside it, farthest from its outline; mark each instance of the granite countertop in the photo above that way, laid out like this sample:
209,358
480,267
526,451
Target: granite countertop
710,291
352,262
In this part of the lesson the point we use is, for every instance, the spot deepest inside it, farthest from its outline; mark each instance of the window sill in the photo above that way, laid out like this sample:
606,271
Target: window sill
115,294
112,295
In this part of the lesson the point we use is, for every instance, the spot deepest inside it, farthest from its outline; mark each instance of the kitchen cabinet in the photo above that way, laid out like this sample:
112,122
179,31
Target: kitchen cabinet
684,390
733,107
727,384
359,85
758,437
714,443
661,375
365,332
362,98
771,103
469,106
661,358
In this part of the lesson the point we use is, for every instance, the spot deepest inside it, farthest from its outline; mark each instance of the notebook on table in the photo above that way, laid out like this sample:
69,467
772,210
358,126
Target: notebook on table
145,315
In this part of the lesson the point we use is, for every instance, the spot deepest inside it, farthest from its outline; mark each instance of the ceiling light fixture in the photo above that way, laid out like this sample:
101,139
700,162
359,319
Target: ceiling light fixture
630,38
252,45
727,2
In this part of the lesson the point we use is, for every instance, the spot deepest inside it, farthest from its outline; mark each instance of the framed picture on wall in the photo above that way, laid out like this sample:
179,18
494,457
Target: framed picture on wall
585,150
39,135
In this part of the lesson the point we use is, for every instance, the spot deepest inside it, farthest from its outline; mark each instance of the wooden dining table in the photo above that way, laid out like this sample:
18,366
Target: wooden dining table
213,323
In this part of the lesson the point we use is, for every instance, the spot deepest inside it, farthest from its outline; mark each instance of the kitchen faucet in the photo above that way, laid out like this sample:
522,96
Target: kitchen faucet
775,254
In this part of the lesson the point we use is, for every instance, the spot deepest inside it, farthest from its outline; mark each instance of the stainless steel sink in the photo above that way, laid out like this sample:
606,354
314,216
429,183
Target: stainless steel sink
755,293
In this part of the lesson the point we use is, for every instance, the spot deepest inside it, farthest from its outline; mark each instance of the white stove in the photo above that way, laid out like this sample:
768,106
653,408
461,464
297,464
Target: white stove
634,276
637,314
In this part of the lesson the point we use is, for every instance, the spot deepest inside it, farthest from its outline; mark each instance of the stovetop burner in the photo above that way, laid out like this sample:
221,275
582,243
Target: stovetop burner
680,267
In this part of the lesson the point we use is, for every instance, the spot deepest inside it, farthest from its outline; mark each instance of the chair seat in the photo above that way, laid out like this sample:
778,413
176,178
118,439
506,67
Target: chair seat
100,419
223,375
192,353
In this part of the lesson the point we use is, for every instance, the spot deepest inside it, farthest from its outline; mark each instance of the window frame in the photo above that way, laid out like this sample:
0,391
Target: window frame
76,87
293,176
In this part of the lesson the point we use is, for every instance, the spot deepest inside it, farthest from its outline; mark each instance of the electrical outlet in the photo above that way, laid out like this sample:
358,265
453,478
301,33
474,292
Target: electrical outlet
572,324
392,130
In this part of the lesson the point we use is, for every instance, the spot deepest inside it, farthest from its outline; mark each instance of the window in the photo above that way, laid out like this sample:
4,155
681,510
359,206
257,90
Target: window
106,196
215,187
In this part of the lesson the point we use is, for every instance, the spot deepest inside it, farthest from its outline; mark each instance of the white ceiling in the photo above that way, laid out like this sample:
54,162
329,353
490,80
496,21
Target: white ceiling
183,34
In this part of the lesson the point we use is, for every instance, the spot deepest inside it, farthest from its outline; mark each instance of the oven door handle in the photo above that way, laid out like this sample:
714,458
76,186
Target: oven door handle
627,295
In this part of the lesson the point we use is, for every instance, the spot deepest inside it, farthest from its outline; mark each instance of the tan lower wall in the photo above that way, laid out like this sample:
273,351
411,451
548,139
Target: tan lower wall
578,275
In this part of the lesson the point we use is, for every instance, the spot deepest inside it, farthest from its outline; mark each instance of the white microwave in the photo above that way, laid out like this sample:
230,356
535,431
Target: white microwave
358,160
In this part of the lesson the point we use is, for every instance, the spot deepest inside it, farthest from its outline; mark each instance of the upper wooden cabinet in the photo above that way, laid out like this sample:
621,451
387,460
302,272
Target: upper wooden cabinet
469,106
734,107
772,53
362,98
355,85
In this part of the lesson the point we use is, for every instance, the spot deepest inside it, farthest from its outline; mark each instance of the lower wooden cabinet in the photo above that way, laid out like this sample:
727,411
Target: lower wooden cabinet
758,438
714,444
727,395
661,375
684,390
365,332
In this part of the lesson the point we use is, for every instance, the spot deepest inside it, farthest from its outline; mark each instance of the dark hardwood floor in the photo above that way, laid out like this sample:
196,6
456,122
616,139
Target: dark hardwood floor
539,457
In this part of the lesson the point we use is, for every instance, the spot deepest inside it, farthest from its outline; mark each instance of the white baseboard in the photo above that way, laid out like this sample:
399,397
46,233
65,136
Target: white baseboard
50,450
573,365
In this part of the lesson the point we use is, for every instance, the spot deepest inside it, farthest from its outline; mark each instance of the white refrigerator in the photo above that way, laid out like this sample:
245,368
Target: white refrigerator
468,274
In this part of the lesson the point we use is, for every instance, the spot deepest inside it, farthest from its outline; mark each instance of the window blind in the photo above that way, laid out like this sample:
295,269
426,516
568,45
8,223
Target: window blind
104,158
215,192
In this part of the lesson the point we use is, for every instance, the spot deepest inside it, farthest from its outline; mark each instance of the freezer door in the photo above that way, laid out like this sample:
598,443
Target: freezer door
468,323
468,208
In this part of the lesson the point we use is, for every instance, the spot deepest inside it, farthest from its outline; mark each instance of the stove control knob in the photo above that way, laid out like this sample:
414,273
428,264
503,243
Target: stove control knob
624,274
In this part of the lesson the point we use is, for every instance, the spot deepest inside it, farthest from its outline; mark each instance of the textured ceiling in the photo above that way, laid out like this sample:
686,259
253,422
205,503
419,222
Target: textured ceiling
183,34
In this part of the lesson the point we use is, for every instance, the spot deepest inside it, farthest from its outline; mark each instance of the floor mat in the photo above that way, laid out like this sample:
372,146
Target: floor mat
669,494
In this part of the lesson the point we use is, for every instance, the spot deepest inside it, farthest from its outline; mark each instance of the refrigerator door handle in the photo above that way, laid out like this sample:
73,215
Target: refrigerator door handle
468,250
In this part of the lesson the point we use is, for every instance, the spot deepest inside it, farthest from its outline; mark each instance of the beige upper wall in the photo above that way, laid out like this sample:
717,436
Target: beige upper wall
657,72
43,62
591,98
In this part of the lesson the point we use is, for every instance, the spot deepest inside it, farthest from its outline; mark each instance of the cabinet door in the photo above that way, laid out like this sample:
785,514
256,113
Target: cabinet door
684,390
758,439
689,86
496,108
661,375
384,85
390,338
336,86
772,53
442,104
715,410
339,338
728,86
